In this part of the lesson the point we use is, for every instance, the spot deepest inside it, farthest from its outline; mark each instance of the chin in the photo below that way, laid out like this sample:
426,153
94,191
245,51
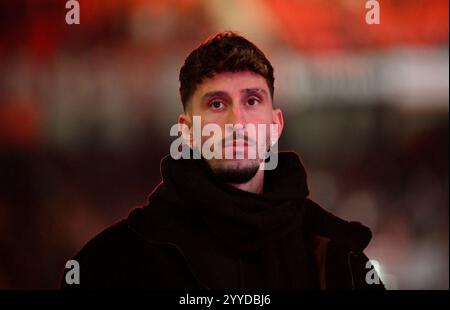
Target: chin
235,171
234,163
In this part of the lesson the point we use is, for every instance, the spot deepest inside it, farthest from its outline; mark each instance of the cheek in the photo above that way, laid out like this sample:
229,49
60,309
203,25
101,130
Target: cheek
263,115
212,129
213,118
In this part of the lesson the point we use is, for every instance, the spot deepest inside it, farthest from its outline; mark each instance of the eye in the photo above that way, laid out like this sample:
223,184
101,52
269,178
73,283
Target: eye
216,105
253,101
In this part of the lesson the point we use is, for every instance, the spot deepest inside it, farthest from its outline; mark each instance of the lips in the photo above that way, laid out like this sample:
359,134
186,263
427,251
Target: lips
244,143
238,143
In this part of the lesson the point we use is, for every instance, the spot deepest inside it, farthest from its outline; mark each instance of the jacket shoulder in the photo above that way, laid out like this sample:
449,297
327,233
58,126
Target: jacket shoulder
119,258
99,255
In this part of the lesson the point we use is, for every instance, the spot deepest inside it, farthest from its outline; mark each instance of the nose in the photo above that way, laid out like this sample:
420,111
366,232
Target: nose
236,115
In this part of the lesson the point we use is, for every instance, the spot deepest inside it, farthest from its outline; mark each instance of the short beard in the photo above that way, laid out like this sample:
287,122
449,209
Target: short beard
236,175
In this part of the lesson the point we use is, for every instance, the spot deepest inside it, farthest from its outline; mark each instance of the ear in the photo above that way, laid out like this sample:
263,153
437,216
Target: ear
185,127
277,118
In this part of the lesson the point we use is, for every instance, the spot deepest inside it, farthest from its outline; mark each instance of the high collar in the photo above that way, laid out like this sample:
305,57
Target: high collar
208,220
243,221
169,199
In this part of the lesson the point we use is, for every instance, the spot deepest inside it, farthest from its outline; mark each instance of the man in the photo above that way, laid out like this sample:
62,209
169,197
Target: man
217,222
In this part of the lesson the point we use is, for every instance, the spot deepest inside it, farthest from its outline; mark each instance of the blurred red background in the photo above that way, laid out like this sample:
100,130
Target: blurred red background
85,113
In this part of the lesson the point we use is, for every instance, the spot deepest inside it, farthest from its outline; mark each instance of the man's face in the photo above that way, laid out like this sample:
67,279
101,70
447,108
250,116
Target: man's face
235,98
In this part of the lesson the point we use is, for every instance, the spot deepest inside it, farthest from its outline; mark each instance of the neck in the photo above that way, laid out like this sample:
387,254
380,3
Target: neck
254,185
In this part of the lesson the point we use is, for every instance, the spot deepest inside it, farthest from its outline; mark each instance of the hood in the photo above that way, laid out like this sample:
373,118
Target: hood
175,215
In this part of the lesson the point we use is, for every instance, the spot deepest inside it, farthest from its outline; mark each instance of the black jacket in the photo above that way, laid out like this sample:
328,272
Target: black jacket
199,233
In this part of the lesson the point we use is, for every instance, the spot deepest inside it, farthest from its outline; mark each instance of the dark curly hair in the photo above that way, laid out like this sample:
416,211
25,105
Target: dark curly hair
223,52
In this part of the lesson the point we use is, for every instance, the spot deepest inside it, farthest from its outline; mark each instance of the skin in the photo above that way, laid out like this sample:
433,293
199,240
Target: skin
234,98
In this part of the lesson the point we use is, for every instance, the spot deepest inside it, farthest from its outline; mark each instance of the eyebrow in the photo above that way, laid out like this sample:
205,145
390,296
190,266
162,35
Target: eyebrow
252,91
215,93
247,91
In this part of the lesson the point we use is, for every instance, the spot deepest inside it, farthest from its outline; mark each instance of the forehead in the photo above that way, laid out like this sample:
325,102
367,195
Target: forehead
232,82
